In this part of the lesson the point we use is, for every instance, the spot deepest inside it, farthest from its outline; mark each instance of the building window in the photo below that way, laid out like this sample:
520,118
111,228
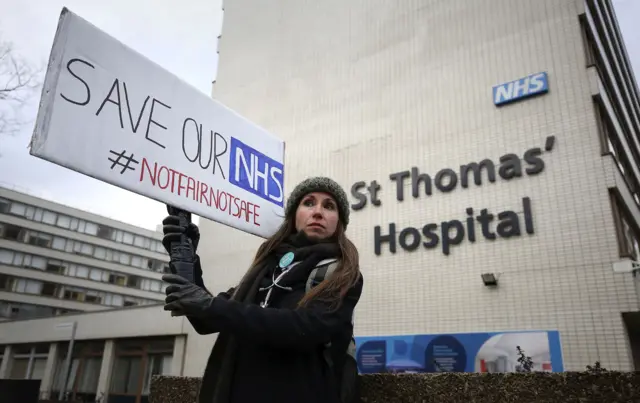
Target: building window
13,232
38,239
50,290
74,270
74,224
86,361
100,253
611,145
4,206
6,256
19,368
128,238
138,241
130,302
116,279
61,291
17,310
31,213
105,232
587,41
35,262
58,243
89,376
632,241
136,261
114,300
93,297
127,376
95,274
18,209
38,214
149,285
157,364
49,218
26,286
627,234
74,295
6,283
135,363
82,271
158,266
125,259
91,229
64,221
158,247
29,361
135,282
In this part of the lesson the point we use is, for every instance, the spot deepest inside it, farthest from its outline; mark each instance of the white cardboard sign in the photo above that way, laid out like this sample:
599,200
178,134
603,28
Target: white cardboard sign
110,113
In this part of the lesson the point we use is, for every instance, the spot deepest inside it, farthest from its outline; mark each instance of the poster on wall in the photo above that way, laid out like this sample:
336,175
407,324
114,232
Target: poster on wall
492,352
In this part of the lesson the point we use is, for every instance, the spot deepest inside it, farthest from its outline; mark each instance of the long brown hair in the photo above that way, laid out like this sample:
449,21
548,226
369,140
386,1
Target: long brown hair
334,288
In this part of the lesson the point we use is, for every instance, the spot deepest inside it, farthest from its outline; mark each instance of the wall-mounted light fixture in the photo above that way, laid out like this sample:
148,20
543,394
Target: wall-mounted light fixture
489,279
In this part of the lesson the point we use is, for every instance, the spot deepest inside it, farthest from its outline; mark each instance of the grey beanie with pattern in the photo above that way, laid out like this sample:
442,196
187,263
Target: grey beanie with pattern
319,184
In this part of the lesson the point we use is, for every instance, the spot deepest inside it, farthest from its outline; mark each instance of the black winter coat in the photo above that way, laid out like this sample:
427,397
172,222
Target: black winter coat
274,354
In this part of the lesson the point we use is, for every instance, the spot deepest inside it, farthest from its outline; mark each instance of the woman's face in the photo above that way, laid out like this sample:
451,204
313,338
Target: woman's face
317,215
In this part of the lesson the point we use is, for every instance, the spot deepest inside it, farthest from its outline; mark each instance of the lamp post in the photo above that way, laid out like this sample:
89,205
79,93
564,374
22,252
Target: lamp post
67,362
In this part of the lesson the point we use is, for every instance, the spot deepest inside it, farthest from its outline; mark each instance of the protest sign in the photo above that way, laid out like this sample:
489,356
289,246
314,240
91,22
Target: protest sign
110,113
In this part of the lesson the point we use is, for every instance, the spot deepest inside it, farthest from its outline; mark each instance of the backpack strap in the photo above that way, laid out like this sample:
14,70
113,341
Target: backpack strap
348,390
323,270
351,349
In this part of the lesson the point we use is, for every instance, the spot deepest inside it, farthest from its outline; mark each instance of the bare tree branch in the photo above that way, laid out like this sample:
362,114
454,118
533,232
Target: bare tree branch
18,83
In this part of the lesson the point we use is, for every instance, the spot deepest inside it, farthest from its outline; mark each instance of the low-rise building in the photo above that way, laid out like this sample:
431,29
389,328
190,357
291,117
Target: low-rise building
55,259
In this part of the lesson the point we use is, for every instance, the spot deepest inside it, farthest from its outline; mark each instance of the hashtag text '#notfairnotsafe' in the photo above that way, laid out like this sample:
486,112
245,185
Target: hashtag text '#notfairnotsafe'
122,156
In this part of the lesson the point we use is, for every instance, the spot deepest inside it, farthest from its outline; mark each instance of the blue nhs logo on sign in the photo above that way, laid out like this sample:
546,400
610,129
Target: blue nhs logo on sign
526,87
256,173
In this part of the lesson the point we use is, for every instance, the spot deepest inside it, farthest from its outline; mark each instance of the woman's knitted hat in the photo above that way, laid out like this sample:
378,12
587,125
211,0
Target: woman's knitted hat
319,184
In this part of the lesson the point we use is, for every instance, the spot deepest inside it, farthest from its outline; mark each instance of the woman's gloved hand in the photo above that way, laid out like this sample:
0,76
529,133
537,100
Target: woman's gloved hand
184,297
172,230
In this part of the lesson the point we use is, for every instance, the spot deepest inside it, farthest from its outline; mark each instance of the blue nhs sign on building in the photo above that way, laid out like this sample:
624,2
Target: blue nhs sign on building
256,173
521,88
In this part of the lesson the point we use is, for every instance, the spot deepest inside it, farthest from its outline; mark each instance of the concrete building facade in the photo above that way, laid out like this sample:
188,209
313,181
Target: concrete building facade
55,259
502,137
114,354
412,95
67,274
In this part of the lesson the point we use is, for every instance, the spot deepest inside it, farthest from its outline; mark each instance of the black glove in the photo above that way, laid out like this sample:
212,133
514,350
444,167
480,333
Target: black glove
185,298
172,231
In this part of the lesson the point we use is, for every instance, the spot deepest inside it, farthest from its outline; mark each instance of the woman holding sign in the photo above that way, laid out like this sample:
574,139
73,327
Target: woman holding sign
285,332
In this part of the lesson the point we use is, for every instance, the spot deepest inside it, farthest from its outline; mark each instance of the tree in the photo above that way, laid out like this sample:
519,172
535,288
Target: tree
526,363
597,368
18,82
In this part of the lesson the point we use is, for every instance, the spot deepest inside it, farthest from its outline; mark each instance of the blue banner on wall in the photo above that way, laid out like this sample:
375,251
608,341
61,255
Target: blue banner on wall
461,352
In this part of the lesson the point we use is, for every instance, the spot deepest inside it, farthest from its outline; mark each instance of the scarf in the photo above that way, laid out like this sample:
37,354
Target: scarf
216,381
306,251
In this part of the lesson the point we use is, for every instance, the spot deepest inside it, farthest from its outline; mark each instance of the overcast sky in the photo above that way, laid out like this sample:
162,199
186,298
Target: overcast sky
181,36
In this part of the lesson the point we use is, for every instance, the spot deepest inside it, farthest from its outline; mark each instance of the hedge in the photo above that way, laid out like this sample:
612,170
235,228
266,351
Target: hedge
538,387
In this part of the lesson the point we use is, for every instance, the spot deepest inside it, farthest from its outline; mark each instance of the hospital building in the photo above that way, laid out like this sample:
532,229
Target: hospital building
491,154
